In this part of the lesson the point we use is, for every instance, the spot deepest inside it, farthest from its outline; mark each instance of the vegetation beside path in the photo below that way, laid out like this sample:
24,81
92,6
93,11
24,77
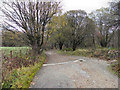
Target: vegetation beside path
110,55
19,66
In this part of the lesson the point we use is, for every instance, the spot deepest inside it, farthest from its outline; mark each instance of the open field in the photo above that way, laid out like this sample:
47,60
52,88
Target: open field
15,50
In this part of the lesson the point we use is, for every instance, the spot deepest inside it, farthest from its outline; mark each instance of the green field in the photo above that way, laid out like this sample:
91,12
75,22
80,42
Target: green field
15,50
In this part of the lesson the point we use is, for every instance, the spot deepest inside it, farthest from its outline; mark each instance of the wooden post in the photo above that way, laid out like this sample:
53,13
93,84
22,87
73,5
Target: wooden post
11,54
20,53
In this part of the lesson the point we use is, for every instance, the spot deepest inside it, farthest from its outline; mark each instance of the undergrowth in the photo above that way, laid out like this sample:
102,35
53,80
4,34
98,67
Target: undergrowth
19,66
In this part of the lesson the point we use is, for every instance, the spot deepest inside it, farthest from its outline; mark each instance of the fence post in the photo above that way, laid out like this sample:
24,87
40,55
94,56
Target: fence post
11,54
20,53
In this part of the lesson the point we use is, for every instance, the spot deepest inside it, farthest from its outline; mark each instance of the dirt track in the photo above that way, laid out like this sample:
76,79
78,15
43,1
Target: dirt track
64,71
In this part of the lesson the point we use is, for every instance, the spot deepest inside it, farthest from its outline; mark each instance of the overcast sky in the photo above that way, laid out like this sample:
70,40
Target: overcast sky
87,5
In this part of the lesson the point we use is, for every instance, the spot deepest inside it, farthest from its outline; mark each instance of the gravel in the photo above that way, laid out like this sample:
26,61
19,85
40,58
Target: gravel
62,71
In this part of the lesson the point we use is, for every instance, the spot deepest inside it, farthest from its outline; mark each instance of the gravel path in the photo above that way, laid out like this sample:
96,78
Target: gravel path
64,71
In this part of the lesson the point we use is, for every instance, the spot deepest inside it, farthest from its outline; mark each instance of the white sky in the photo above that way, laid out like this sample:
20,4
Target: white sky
87,5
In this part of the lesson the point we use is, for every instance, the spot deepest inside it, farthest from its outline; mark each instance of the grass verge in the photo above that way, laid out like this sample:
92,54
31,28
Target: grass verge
20,77
114,68
78,52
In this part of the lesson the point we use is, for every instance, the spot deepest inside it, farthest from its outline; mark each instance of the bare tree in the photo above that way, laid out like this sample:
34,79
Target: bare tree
31,18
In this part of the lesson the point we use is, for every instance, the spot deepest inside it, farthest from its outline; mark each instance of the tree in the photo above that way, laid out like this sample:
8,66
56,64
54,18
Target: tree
115,6
13,39
31,18
77,23
58,26
89,40
103,19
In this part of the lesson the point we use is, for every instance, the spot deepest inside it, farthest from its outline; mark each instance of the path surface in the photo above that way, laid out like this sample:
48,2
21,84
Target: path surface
64,71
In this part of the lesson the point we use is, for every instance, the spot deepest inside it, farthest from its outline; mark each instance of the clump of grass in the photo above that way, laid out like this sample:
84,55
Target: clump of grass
115,68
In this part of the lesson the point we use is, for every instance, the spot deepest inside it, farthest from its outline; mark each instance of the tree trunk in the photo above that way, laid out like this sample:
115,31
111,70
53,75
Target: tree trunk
55,46
60,45
94,42
74,46
119,47
103,43
36,49
66,45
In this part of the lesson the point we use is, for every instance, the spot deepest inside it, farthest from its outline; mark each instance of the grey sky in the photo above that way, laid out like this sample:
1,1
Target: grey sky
87,5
